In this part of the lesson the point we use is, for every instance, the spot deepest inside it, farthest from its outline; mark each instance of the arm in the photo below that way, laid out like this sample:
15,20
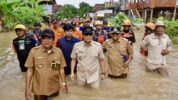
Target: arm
30,65
133,38
102,62
29,76
73,63
144,43
62,72
62,75
14,49
102,65
130,54
168,47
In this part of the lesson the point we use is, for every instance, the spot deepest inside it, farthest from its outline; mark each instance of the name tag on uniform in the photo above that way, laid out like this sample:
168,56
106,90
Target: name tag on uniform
21,45
54,65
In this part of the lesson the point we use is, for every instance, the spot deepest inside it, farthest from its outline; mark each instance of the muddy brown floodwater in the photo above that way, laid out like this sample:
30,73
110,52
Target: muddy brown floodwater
140,85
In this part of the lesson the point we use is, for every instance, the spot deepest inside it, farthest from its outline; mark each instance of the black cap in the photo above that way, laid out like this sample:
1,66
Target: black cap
37,24
68,27
87,30
47,33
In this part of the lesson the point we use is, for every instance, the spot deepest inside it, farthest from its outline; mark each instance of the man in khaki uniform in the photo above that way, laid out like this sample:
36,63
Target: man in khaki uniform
45,65
119,54
90,57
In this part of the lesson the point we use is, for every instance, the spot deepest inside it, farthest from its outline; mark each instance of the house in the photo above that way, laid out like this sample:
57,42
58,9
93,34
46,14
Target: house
50,6
148,9
98,7
112,5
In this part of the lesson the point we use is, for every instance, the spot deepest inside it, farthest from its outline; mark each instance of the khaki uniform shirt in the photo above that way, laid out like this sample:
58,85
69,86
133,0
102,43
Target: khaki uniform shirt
155,45
45,78
88,61
115,50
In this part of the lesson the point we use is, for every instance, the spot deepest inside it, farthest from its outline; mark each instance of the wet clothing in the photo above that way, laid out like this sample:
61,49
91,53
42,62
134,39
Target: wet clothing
46,65
130,36
154,45
88,61
22,47
100,36
116,51
66,46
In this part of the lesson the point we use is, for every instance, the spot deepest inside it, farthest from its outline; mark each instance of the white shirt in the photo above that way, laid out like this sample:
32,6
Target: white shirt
155,45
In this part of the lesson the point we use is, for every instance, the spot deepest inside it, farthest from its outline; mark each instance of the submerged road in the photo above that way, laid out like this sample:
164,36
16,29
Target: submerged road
140,85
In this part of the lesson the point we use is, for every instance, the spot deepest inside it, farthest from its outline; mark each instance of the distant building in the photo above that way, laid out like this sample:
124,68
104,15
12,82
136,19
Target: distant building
148,9
50,6
98,7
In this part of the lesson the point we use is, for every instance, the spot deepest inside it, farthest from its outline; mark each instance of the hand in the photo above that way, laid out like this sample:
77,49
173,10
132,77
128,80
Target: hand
103,76
126,64
72,76
27,94
65,88
164,52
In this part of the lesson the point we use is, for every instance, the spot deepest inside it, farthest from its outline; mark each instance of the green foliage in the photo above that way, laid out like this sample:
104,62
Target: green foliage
20,11
117,20
137,21
68,11
84,8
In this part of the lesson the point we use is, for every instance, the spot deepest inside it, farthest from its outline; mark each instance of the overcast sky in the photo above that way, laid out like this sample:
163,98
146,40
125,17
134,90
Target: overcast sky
76,2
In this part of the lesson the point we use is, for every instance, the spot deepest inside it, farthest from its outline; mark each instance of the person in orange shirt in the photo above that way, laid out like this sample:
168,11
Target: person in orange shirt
58,32
76,33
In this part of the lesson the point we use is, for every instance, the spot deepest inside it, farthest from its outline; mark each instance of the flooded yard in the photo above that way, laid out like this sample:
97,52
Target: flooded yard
140,85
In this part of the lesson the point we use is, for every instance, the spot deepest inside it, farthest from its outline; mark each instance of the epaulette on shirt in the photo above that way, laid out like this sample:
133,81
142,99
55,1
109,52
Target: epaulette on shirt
36,47
107,40
79,43
96,43
124,39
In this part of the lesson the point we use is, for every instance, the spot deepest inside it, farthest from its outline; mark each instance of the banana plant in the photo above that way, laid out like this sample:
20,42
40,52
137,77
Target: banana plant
20,11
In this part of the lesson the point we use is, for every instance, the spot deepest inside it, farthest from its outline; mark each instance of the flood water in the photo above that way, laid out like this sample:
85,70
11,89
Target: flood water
140,85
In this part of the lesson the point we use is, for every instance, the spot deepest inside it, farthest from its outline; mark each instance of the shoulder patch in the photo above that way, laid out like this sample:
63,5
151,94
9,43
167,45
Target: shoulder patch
36,47
124,39
79,43
96,43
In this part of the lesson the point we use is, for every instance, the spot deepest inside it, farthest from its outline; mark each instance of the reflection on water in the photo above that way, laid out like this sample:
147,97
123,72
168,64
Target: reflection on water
139,85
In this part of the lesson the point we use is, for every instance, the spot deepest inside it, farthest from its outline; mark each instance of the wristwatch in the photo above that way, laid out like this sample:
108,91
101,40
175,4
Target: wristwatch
64,84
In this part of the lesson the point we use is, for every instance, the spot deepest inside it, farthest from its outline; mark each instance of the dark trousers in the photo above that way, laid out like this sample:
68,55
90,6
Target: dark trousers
44,97
122,76
22,63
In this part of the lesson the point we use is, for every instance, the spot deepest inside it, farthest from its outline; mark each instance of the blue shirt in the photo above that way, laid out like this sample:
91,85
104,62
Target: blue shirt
66,46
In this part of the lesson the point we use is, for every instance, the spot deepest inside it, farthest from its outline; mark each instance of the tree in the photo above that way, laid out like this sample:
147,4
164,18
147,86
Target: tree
20,11
84,8
67,11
